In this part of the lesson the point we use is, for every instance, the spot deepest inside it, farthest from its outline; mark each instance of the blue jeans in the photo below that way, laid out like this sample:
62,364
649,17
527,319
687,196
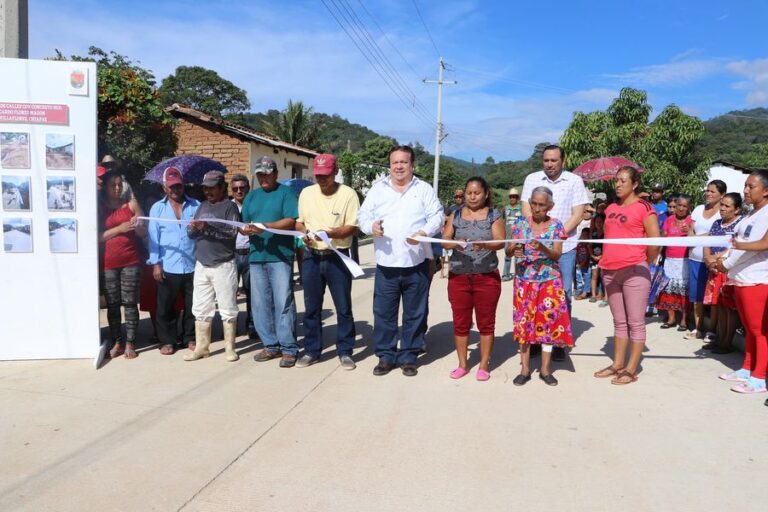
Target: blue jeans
390,286
244,272
318,270
584,280
274,306
507,266
567,269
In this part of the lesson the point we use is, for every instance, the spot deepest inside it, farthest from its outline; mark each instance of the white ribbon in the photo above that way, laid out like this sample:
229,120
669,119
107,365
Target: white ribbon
353,267
682,241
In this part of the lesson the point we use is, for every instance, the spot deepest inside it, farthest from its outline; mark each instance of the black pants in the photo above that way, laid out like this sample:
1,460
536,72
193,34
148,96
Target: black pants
167,291
121,287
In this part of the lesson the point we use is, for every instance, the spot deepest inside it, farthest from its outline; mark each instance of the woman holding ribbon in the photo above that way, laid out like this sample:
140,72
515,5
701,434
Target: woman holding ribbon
541,311
474,283
626,276
674,297
121,261
748,272
717,294
703,217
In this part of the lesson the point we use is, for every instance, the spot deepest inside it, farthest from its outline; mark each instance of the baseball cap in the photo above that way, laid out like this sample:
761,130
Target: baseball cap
213,178
100,171
657,186
514,192
266,165
324,165
172,176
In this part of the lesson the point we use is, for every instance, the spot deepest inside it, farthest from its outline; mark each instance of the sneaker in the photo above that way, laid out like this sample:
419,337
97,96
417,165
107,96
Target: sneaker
751,386
603,303
737,376
266,355
306,360
710,336
347,363
287,361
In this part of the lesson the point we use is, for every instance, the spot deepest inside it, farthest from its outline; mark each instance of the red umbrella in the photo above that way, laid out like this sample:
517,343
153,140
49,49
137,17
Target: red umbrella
604,168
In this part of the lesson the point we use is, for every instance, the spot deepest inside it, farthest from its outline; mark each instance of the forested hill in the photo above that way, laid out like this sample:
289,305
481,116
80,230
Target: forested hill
739,137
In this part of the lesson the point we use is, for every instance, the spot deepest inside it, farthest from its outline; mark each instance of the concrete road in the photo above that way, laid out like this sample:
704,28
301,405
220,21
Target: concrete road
158,433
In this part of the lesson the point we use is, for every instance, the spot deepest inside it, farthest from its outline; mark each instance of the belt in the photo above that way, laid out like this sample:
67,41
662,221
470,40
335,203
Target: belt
324,253
242,252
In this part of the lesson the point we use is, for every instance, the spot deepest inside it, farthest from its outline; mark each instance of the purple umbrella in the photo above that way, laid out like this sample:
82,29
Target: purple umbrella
192,168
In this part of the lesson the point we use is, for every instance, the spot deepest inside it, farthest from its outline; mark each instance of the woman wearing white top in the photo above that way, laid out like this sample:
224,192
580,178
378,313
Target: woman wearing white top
703,217
748,272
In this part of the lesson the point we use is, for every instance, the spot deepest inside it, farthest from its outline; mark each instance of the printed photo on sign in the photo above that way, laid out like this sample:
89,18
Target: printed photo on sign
17,235
14,150
16,193
59,151
61,193
62,235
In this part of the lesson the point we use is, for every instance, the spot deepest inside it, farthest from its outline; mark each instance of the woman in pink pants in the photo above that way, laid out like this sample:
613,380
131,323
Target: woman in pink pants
626,278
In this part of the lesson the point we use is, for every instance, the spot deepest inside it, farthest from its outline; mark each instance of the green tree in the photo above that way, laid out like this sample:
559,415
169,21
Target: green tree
204,90
668,147
450,179
348,163
376,150
295,124
132,123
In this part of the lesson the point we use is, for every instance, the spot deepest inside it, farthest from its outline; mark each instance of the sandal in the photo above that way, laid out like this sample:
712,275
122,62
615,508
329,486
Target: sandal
608,371
521,379
624,378
167,350
117,350
130,351
548,379
458,373
482,375
666,326
682,328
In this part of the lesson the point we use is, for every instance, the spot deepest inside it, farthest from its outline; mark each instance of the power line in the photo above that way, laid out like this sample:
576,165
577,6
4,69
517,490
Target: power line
418,11
413,70
371,58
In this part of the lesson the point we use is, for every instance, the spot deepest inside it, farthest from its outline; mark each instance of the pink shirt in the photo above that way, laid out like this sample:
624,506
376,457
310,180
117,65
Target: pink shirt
625,222
672,229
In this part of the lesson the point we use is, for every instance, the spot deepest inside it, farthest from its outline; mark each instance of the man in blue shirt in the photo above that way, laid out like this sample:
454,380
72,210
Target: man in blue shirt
172,255
271,258
658,202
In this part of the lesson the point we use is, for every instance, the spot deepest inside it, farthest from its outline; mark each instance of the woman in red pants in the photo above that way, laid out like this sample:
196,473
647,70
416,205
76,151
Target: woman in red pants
748,272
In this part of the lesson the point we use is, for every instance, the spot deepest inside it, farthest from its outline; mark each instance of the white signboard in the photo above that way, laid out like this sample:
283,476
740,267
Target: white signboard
49,298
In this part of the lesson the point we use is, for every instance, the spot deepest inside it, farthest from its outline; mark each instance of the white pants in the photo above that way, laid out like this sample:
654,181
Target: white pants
215,284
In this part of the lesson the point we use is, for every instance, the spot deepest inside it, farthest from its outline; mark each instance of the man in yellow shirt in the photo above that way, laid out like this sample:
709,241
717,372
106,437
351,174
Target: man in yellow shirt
331,207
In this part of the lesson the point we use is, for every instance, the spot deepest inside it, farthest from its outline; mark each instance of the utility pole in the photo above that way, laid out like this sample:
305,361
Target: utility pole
439,136
14,29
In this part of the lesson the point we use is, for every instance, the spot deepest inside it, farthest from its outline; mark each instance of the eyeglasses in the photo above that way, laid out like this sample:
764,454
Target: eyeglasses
238,189
458,197
511,196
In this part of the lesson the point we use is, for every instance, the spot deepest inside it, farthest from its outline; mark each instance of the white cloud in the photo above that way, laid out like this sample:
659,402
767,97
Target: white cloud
675,74
756,72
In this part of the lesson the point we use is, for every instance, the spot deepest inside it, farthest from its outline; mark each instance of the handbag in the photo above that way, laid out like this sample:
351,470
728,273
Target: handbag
659,281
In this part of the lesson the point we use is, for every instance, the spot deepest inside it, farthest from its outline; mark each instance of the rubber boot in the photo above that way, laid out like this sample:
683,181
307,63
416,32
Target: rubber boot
203,338
230,332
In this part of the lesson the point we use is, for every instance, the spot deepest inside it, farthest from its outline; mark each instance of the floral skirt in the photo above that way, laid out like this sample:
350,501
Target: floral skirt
674,296
541,313
713,290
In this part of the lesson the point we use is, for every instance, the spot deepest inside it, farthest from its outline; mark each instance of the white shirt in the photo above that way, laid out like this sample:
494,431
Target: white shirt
568,190
415,209
242,242
749,267
701,227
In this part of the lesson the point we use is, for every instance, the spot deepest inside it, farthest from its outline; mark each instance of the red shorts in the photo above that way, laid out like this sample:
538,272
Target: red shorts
474,292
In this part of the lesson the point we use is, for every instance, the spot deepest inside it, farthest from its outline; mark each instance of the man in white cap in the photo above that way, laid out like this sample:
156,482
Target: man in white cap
330,207
271,259
216,269
172,255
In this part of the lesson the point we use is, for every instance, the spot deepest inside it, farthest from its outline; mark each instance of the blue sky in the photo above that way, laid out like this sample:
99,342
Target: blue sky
522,67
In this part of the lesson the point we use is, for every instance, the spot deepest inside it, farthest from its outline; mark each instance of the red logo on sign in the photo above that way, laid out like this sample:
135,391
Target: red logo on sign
77,79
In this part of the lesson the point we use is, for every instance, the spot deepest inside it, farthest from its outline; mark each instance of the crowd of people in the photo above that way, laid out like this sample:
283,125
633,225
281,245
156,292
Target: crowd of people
556,249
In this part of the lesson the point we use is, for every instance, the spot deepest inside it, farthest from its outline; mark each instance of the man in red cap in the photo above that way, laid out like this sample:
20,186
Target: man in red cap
172,255
330,207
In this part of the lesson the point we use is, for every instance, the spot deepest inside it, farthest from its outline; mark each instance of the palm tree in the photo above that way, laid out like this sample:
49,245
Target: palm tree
296,124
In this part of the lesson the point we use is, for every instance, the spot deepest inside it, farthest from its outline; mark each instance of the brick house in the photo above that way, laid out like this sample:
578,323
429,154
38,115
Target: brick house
237,147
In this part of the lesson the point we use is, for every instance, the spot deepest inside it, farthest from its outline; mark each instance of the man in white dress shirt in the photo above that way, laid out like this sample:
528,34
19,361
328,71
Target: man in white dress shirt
398,207
570,197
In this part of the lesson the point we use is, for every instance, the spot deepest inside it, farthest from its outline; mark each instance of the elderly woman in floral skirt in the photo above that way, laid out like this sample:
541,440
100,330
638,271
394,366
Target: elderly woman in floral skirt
541,312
